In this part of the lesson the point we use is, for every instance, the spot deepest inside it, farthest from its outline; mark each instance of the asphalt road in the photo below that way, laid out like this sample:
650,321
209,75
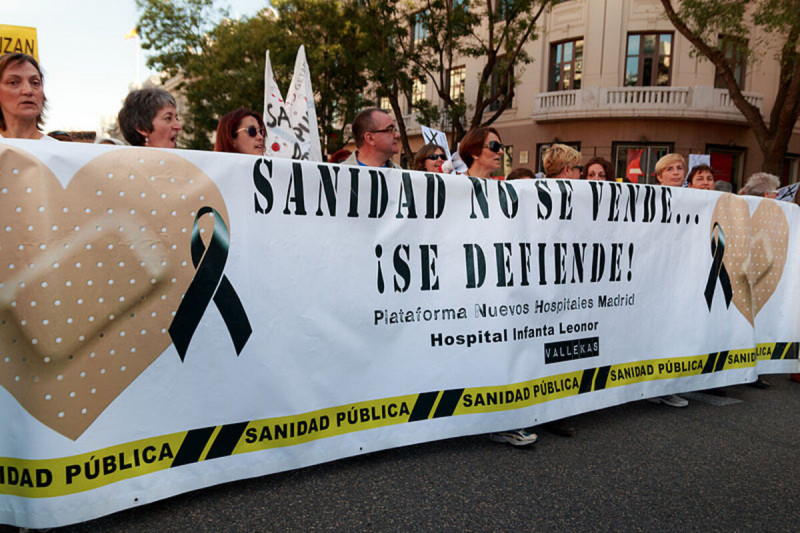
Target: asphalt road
636,467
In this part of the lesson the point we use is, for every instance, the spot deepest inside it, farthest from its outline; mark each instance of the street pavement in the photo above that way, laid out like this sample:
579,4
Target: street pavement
635,467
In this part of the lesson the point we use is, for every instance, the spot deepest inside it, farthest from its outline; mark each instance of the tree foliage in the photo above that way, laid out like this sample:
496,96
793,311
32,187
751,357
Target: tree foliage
767,26
490,31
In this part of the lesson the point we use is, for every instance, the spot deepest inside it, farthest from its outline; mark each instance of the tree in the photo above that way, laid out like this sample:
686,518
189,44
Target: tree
382,30
328,31
494,31
703,21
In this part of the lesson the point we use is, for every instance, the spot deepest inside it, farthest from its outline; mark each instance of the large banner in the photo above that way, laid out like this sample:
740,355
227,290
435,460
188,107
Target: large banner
175,319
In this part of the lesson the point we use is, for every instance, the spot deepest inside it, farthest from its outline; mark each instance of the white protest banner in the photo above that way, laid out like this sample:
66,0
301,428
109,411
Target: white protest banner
175,319
300,103
788,192
432,136
281,138
291,124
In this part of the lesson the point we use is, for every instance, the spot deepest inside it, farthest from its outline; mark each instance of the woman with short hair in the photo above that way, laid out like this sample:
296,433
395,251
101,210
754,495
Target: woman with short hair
149,118
429,158
22,100
482,151
241,131
562,162
598,169
671,170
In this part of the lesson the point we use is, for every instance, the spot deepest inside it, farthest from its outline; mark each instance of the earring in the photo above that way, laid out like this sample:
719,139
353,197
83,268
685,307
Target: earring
146,141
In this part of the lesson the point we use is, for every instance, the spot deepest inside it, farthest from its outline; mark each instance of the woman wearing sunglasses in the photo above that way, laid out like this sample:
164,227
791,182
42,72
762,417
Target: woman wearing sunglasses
241,131
429,158
482,151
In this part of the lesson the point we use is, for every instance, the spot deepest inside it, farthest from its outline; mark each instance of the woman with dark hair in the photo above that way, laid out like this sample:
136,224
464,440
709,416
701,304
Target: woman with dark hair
598,168
149,118
482,151
429,158
241,131
22,99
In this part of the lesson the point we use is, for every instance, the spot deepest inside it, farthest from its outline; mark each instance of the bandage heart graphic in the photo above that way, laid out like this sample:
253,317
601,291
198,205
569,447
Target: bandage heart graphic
91,275
752,250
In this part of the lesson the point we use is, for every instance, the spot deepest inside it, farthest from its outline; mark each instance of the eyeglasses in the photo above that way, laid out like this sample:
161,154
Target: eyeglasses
434,157
494,146
252,131
391,129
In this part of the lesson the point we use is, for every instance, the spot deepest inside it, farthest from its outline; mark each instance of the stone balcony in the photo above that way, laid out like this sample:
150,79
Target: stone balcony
699,102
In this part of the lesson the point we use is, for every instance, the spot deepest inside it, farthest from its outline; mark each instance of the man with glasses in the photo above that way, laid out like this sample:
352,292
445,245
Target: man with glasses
377,139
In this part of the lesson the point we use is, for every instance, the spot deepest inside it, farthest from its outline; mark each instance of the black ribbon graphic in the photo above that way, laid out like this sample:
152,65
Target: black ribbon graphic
208,282
718,268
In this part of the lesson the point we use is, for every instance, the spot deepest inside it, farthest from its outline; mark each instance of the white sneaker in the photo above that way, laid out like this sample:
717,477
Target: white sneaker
673,400
514,437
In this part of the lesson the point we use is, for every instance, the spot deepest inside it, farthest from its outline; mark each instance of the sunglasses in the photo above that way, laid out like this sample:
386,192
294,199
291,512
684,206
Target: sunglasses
434,157
494,146
252,131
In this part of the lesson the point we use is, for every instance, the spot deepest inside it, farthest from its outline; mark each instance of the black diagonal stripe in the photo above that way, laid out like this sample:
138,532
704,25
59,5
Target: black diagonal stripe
777,352
226,440
423,406
710,362
192,446
448,403
791,353
721,358
586,380
602,377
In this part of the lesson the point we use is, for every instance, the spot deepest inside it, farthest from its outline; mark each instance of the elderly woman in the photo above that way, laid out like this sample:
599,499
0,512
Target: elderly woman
482,152
598,169
671,170
149,118
562,162
429,158
241,131
761,184
22,100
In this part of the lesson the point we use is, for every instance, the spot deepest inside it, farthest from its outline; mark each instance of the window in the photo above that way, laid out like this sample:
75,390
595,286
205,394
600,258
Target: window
458,77
566,65
385,104
735,54
418,92
496,83
420,30
541,147
636,162
648,61
728,163
791,169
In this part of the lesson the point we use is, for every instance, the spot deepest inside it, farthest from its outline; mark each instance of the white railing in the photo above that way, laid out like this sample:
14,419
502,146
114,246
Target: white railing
660,96
556,100
700,101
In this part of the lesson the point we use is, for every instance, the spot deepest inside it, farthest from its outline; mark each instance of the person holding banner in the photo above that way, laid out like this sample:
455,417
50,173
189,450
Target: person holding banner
376,136
671,170
599,169
22,99
701,177
241,131
482,151
149,118
761,184
429,158
562,162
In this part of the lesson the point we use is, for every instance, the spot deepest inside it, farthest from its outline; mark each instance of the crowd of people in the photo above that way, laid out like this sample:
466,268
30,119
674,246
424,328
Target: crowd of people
149,118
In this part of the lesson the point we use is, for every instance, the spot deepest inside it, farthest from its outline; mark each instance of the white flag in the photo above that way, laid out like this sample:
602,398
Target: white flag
281,137
432,136
300,104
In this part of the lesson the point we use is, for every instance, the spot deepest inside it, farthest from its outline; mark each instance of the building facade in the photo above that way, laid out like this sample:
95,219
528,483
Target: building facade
613,78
